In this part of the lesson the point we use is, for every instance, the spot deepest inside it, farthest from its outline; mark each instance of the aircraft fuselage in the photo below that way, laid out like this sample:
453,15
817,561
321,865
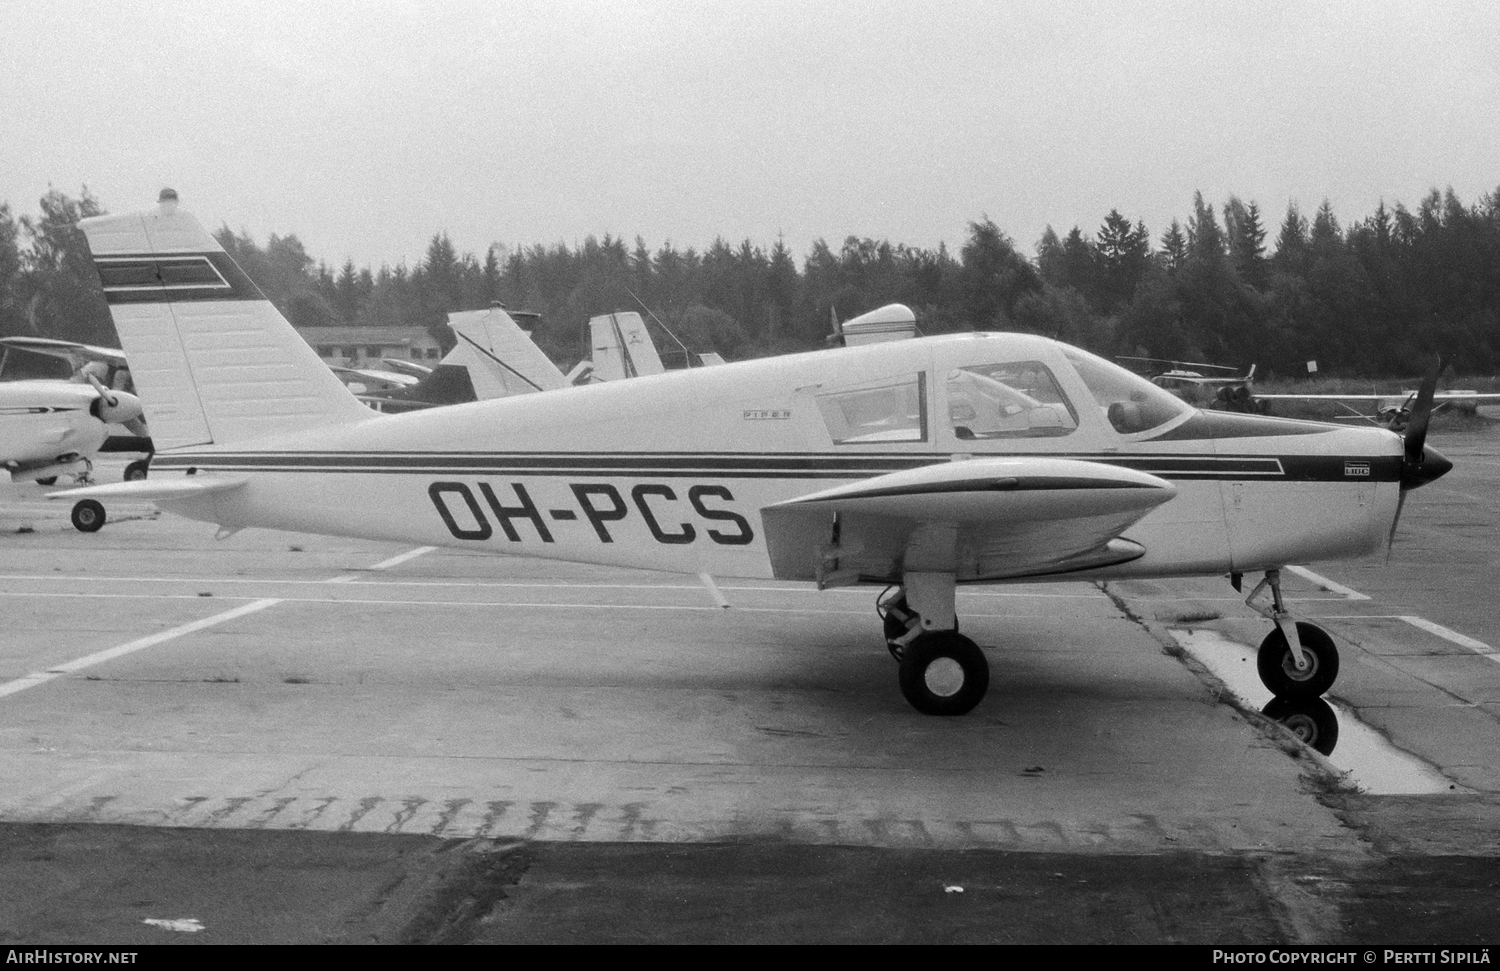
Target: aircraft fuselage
670,472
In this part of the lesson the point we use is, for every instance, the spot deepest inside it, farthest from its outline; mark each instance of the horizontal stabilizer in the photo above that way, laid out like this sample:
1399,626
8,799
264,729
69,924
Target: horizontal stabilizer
146,490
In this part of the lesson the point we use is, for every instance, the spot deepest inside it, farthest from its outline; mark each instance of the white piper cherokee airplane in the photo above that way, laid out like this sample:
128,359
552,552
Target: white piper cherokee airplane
916,464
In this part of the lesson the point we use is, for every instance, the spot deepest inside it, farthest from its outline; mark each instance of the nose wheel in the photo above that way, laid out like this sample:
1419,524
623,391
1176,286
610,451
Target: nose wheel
1297,660
1278,667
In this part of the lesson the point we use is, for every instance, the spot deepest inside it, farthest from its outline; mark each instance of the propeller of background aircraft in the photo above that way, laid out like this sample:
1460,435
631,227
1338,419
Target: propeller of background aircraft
117,407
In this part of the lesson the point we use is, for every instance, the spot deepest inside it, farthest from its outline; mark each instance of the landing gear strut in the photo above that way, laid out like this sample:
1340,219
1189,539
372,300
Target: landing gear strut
942,672
1297,660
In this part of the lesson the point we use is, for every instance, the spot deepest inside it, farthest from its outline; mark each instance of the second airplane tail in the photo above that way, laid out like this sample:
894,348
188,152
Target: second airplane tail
212,359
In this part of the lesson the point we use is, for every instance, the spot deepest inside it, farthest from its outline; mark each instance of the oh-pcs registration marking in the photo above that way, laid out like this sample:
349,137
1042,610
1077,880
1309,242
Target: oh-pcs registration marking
474,517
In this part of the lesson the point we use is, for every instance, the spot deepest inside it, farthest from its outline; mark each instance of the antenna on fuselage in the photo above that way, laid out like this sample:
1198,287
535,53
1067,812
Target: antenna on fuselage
687,355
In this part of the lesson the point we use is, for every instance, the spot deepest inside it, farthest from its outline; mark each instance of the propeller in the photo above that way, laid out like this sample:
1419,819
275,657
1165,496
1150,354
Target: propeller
117,407
1419,464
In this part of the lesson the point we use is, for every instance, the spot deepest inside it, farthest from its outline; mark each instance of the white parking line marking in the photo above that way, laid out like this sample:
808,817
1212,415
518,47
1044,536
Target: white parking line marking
713,590
151,640
866,591
99,657
1448,634
540,605
403,557
1327,584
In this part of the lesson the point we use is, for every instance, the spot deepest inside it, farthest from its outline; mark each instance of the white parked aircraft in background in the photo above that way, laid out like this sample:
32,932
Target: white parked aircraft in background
51,428
91,363
915,464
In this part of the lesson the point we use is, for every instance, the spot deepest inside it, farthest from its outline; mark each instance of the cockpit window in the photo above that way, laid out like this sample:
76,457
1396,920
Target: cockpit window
1130,402
893,410
1012,400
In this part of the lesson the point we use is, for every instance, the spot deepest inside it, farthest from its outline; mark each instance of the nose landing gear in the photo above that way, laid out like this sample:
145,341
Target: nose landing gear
1297,660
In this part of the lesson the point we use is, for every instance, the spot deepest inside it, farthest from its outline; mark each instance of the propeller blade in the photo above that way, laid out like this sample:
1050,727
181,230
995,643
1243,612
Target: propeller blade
1421,413
105,395
1418,465
1390,541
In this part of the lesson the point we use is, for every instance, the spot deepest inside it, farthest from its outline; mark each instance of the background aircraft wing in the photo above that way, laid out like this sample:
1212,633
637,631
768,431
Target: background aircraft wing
374,380
1323,397
979,519
77,355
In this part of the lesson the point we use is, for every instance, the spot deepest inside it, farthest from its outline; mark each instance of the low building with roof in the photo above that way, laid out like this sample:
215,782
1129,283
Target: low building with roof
365,346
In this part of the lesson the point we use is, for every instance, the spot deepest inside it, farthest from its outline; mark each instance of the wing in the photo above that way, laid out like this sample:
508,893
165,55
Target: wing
77,355
981,519
1373,398
1463,397
369,376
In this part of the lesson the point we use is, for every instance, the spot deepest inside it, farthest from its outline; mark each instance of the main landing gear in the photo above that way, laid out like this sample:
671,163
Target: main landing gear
941,672
1297,660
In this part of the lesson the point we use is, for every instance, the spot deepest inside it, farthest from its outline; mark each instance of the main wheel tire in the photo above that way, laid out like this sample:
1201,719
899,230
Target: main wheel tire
944,673
1310,719
88,516
1278,669
136,471
49,480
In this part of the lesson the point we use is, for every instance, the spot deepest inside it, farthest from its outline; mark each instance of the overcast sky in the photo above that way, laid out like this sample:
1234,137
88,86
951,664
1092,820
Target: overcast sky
364,128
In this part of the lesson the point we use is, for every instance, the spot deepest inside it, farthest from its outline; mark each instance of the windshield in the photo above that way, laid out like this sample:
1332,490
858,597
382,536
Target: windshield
1130,402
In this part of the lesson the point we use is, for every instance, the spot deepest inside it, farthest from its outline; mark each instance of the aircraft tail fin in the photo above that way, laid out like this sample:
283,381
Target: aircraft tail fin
502,357
623,347
212,359
893,322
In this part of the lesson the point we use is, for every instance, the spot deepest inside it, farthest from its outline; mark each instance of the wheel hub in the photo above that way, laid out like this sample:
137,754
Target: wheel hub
1302,727
1300,674
944,677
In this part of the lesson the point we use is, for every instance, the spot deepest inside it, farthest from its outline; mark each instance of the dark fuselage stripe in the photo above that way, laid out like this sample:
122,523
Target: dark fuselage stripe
770,466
